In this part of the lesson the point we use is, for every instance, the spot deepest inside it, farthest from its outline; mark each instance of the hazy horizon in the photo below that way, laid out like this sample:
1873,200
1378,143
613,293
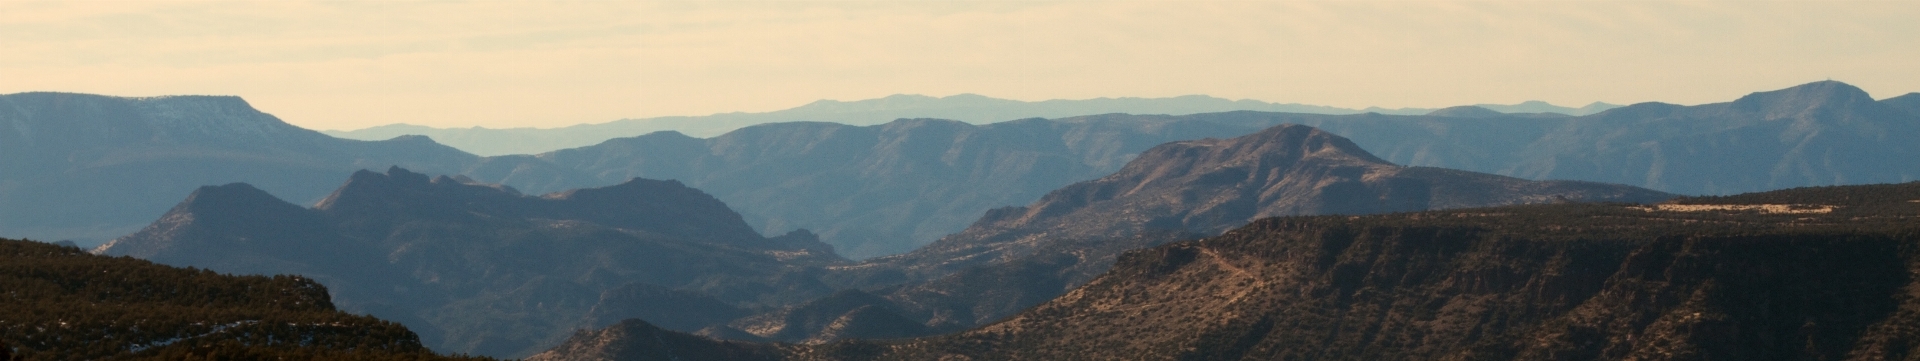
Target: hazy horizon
354,65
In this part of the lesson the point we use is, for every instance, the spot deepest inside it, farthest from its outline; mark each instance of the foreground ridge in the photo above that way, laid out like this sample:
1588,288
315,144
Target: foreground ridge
64,304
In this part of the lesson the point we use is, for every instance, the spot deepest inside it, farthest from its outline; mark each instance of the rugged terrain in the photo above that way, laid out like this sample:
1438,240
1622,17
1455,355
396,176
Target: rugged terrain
1802,274
92,168
1016,257
64,304
887,189
873,190
1826,274
483,269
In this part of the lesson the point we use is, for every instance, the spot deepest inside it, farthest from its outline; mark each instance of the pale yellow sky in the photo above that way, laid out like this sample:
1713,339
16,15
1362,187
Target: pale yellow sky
347,65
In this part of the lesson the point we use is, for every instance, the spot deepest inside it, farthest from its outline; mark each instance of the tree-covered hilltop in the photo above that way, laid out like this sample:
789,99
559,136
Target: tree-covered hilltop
61,303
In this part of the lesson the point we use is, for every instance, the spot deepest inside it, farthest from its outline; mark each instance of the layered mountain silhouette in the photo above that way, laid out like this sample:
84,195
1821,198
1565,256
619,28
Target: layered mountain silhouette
476,266
1567,282
1013,258
875,190
968,108
481,268
1823,133
1829,269
661,251
887,189
91,168
1211,185
890,188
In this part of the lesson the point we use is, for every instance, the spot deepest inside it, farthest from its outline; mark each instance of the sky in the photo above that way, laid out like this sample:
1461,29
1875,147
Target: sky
354,64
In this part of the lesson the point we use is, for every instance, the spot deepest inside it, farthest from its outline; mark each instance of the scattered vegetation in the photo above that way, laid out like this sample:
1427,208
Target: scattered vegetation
61,303
1562,282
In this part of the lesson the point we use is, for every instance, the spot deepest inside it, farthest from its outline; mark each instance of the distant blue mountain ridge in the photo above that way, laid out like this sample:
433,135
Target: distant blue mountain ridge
91,168
970,108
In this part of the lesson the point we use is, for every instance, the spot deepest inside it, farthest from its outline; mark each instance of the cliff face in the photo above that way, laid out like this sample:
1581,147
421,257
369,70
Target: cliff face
1705,278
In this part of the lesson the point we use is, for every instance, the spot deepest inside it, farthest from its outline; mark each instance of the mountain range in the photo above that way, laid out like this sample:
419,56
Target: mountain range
408,247
1014,258
475,265
889,188
483,269
92,168
1802,274
970,108
82,187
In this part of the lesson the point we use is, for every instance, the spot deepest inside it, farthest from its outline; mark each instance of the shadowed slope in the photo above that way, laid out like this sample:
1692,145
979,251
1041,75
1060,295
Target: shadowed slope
1544,282
1013,258
483,269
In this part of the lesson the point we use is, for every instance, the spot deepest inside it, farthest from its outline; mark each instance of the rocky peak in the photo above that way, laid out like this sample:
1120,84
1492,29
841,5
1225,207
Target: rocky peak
664,206
1309,142
368,186
240,199
398,194
236,208
1804,99
1275,147
1469,111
